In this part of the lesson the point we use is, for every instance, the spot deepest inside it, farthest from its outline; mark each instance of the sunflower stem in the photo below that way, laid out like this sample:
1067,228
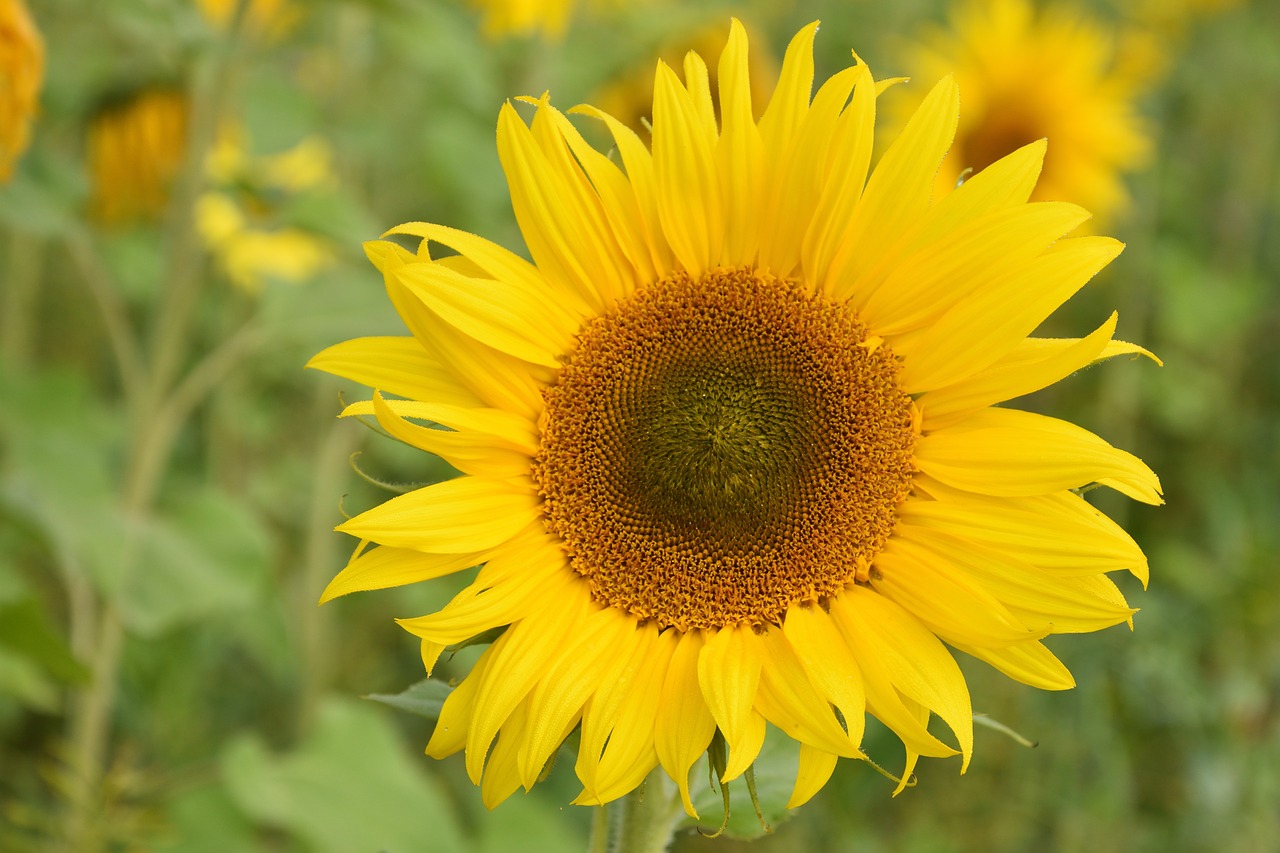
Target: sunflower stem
644,821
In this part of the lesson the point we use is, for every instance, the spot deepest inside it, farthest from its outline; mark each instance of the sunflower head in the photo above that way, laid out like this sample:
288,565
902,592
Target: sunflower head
729,446
21,72
135,147
1057,74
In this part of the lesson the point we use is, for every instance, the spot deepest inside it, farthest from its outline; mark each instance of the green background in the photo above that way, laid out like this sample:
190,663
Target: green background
167,681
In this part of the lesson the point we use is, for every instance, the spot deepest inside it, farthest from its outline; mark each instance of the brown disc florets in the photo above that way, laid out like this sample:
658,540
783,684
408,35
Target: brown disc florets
716,449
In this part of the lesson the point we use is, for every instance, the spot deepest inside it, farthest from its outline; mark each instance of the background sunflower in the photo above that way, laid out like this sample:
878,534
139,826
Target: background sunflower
168,473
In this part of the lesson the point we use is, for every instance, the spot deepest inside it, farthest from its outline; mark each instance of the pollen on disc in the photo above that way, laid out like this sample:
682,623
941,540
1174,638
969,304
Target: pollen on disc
716,449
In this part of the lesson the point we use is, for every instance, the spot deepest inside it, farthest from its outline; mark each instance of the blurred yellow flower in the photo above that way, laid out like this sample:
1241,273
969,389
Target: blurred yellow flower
270,19
629,96
729,444
21,72
1053,74
237,221
135,148
548,18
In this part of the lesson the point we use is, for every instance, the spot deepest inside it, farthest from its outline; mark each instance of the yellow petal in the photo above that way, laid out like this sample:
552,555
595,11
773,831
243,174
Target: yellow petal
451,729
792,704
964,262
530,646
1041,601
1035,530
989,323
503,428
687,185
525,324
790,99
799,175
605,640
830,665
946,600
638,162
739,154
398,365
919,666
744,752
816,767
499,380
534,576
470,452
618,199
563,228
1030,663
454,517
898,192
615,276
846,174
384,567
616,750
884,700
630,753
499,263
1010,453
1008,182
1021,371
684,726
501,779
729,674
697,82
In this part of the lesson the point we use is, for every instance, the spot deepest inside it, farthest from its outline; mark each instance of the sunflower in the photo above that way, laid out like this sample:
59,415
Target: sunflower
728,446
1056,74
243,220
547,18
21,70
135,148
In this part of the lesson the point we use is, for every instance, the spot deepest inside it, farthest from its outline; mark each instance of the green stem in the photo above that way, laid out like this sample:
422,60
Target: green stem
318,561
170,331
159,404
26,251
644,821
115,316
599,842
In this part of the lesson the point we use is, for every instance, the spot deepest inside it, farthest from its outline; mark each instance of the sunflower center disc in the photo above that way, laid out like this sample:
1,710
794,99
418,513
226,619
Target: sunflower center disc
717,449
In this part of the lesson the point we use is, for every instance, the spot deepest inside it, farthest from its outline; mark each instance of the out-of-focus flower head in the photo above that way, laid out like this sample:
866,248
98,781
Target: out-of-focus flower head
21,71
241,219
547,18
267,19
629,95
135,148
1055,74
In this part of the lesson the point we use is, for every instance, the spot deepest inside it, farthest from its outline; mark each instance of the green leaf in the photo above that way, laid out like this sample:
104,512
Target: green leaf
22,680
530,824
208,555
206,820
424,698
350,786
24,630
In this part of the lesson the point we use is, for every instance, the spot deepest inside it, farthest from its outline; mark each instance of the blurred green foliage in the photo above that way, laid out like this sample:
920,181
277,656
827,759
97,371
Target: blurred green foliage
166,680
